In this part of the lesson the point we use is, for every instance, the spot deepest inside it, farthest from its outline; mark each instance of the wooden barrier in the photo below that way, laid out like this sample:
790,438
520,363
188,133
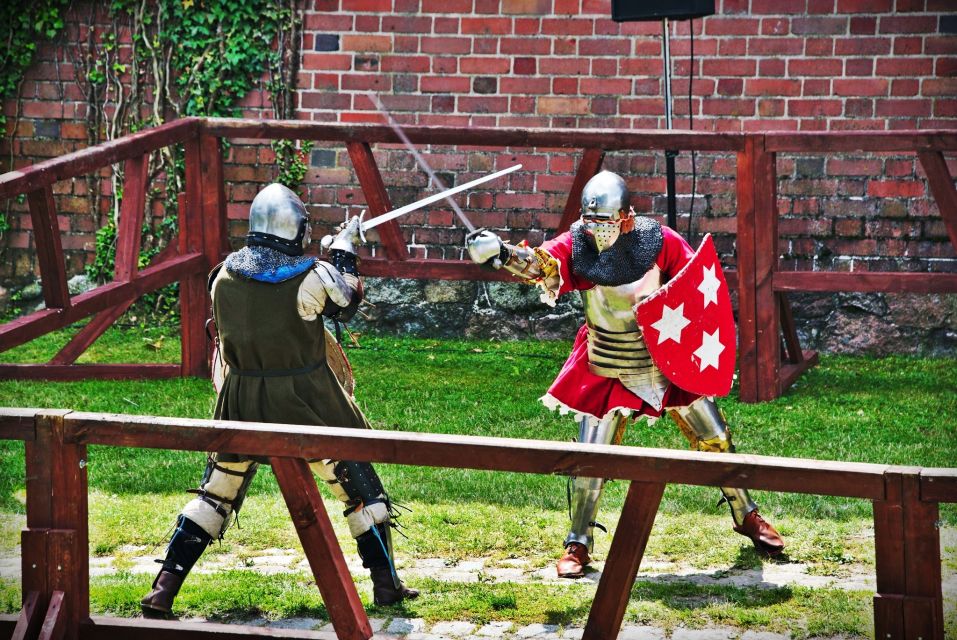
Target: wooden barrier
766,367
55,544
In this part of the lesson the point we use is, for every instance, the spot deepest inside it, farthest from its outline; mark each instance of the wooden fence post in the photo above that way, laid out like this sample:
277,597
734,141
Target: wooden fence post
193,299
909,600
55,554
745,243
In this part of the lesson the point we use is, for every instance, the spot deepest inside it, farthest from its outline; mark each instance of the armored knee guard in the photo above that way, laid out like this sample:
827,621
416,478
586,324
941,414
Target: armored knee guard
585,493
221,492
703,424
357,485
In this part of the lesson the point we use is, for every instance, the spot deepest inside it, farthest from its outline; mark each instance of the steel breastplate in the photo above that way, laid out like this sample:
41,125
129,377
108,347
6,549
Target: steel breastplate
616,348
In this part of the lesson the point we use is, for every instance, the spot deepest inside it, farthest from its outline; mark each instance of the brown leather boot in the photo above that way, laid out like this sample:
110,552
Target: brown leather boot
384,591
158,603
766,539
573,563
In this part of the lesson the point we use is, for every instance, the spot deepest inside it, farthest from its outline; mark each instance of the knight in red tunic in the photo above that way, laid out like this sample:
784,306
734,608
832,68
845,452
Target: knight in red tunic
618,260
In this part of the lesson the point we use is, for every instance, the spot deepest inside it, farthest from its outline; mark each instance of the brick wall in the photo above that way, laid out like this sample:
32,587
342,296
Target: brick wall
759,65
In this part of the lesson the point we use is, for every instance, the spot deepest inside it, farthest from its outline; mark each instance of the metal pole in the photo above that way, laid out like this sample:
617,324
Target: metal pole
669,154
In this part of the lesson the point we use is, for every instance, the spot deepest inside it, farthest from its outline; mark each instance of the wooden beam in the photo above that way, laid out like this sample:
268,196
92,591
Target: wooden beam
589,166
793,352
55,623
322,549
31,617
46,240
472,452
766,321
608,139
129,229
624,557
18,424
86,336
28,327
131,371
213,204
942,186
194,301
838,142
90,159
938,485
106,628
377,198
745,263
791,372
865,281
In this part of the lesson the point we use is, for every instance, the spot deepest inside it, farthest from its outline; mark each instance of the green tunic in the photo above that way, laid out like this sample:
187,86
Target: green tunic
277,361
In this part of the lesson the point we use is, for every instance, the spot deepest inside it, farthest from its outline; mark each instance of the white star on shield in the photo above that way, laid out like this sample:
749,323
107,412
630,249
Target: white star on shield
709,285
709,350
671,323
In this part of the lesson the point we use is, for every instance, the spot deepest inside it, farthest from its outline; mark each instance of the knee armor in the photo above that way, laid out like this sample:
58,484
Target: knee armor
585,493
703,424
221,492
357,485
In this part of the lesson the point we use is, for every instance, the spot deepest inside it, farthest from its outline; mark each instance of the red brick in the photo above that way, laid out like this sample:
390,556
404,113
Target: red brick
822,67
820,6
807,26
565,86
770,108
568,7
564,46
483,104
859,108
870,87
727,107
525,85
898,108
601,86
412,64
521,104
862,46
905,67
763,87
865,6
440,84
484,65
904,46
604,47
326,61
484,46
605,67
446,6
819,47
863,25
571,106
771,7
445,65
641,106
316,100
730,87
366,43
564,27
367,82
446,46
407,24
772,68
527,26
907,24
446,25
524,66
732,27
895,189
729,67
802,108
775,46
486,26
777,26
816,88
525,46
532,7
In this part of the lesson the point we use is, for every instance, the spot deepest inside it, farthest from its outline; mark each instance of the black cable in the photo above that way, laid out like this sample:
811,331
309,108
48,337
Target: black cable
694,171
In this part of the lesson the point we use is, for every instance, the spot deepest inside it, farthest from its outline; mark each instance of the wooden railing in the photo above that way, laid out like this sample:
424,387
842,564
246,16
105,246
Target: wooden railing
765,369
55,543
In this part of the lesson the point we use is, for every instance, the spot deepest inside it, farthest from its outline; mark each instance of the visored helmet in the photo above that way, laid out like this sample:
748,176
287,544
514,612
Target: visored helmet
605,204
278,219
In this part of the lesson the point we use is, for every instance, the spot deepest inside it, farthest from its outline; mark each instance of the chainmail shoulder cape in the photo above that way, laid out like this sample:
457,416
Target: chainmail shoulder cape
267,265
625,261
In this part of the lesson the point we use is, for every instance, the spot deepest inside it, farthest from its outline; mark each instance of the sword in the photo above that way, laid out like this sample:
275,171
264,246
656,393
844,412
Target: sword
418,204
420,160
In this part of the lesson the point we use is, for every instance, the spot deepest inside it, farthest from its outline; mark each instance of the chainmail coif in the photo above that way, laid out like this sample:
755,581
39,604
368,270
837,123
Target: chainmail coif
625,261
266,264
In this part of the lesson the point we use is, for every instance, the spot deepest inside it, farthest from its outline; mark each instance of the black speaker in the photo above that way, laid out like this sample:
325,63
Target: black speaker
638,10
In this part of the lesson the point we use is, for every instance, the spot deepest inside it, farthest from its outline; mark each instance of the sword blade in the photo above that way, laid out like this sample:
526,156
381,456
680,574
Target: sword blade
419,159
418,204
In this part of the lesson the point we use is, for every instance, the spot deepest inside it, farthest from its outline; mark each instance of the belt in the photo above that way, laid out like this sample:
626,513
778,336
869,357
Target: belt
275,373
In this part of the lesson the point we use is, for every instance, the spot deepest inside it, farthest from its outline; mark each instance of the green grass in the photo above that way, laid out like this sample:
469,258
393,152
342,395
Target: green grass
897,410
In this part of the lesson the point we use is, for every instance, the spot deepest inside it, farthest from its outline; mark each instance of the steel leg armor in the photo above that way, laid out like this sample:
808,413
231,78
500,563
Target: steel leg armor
221,492
586,492
703,424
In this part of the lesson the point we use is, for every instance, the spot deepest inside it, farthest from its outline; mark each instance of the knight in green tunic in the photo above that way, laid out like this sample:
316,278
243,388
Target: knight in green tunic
268,303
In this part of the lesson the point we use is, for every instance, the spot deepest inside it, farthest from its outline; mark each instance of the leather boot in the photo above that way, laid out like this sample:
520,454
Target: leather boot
765,537
573,563
158,603
384,591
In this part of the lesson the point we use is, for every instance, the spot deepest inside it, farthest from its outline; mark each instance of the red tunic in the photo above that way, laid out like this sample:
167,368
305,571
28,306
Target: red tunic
578,389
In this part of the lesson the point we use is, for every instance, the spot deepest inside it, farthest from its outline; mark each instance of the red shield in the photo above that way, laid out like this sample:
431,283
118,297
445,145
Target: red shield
688,326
